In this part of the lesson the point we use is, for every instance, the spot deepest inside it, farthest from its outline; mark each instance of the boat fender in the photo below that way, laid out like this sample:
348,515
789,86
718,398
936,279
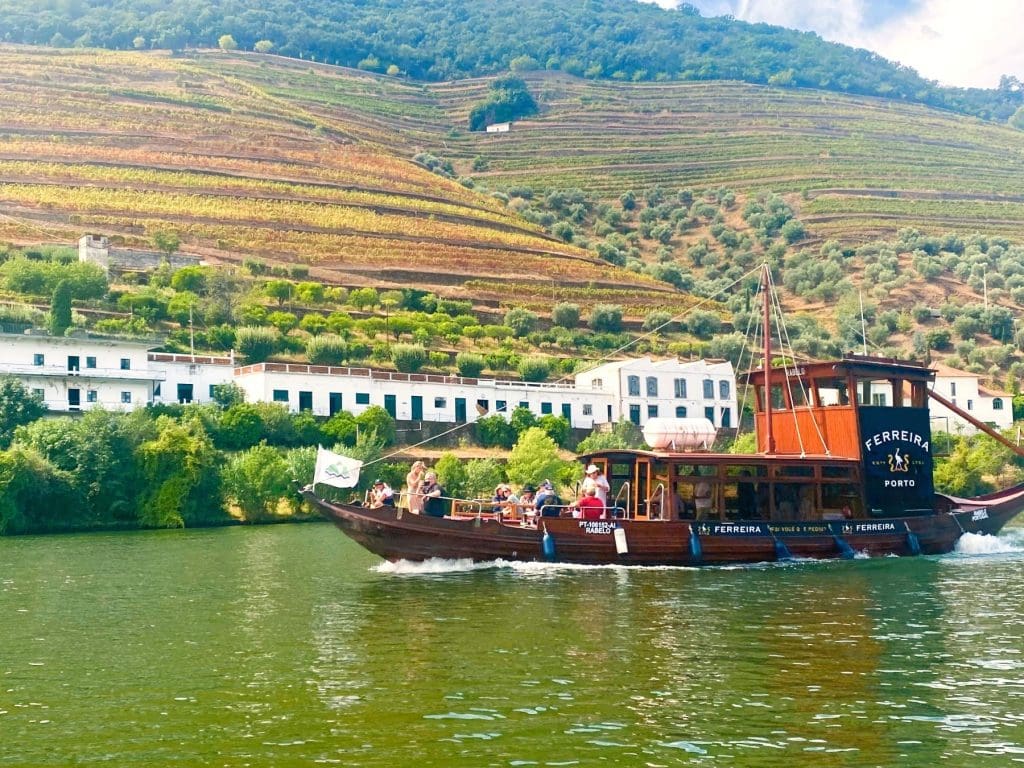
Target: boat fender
913,543
695,549
621,547
548,545
782,551
845,550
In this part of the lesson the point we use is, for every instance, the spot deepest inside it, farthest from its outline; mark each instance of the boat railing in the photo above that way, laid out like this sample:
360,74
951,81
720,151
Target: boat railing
659,494
623,491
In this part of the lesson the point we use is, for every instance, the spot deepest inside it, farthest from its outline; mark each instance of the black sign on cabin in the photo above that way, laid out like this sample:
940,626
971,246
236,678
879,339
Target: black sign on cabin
897,454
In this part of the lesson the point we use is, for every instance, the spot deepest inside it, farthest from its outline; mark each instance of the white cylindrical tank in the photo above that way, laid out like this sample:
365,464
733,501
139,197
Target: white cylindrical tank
679,434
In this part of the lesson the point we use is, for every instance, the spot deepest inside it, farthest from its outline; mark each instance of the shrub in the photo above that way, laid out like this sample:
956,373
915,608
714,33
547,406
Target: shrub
469,364
376,419
326,349
606,317
520,320
534,368
566,315
408,358
257,343
495,432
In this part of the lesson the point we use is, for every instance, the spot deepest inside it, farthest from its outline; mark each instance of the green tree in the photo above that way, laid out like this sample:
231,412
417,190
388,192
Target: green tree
166,241
279,290
240,426
326,349
534,458
482,477
35,496
606,317
341,428
566,315
520,320
227,43
494,431
256,481
557,428
263,46
60,308
408,358
451,472
257,343
18,405
378,421
227,395
469,364
534,368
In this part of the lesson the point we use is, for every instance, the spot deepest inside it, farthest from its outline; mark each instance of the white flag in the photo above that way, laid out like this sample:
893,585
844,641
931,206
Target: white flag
334,469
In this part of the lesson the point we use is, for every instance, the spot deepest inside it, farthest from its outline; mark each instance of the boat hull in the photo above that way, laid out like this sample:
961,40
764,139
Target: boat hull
397,535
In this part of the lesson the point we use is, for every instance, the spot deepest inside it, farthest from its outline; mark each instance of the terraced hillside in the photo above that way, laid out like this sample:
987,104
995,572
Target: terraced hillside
867,167
252,158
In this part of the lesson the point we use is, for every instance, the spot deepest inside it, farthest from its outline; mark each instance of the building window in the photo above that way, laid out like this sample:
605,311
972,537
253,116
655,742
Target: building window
970,405
38,393
440,402
680,387
709,413
126,397
545,407
952,389
90,395
597,384
723,389
38,359
500,406
652,386
156,389
652,411
726,418
709,389
878,398
997,404
524,404
90,362
588,409
680,411
633,386
212,390
280,395
634,413
126,364
362,398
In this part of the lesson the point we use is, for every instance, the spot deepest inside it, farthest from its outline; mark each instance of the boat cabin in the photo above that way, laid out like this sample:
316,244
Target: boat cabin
828,449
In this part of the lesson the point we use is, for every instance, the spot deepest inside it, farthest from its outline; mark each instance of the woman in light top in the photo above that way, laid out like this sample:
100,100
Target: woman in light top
414,486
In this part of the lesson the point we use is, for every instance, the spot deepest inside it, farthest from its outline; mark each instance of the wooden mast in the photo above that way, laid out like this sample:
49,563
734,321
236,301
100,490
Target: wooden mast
769,437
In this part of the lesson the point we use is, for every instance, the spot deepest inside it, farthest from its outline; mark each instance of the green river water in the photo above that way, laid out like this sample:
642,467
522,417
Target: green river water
290,646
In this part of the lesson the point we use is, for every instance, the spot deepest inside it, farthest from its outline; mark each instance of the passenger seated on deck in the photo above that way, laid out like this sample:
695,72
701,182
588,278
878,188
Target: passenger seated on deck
433,504
589,506
381,495
525,503
702,499
547,502
503,499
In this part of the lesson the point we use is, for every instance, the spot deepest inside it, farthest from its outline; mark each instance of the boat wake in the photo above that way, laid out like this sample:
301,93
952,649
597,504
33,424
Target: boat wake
980,544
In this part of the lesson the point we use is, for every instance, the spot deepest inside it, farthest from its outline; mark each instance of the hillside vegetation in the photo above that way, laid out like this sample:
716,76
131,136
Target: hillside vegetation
653,197
438,40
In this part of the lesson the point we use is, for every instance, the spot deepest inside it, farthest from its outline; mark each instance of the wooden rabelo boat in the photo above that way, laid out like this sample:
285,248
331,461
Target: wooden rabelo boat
835,474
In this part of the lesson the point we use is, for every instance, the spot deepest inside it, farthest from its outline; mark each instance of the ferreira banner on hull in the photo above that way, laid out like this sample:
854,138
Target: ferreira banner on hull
830,528
897,456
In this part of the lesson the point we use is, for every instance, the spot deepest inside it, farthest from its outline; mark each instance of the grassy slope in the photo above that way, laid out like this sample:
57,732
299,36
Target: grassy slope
279,159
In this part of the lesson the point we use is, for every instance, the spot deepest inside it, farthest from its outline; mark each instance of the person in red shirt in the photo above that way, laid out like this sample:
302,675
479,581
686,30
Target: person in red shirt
591,507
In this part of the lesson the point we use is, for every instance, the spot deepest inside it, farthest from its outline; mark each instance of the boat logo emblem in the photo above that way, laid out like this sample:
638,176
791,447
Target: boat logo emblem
338,469
899,462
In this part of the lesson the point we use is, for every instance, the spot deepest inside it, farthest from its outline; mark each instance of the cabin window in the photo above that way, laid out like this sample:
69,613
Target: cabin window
90,362
126,364
38,359
90,396
126,397
652,386
652,411
723,389
709,413
588,409
709,389
280,395
362,398
680,385
997,404
633,386
680,411
440,402
545,408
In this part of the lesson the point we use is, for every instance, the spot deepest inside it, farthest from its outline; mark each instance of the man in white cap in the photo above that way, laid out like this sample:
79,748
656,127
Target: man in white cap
595,479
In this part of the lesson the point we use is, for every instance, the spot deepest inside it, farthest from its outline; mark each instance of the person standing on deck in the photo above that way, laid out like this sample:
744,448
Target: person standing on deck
595,479
414,486
433,503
